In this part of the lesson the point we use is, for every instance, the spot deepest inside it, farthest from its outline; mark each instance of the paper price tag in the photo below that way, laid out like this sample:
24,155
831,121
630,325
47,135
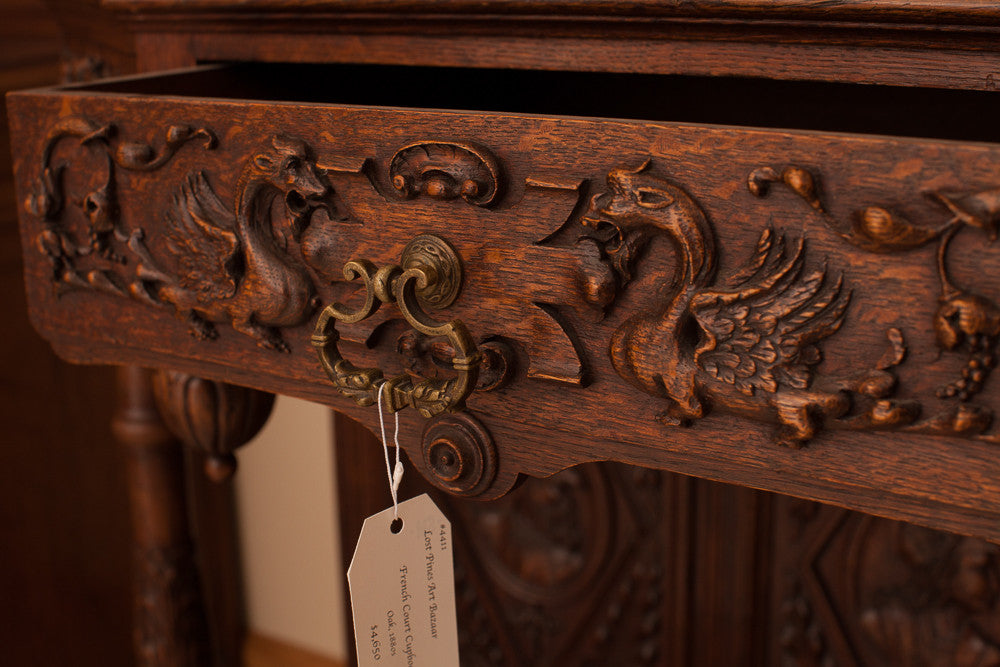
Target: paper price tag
403,589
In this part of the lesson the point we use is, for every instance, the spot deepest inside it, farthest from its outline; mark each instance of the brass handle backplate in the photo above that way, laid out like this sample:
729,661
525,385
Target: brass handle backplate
429,275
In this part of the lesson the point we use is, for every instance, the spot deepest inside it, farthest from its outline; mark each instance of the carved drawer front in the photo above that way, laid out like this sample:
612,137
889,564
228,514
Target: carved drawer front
803,311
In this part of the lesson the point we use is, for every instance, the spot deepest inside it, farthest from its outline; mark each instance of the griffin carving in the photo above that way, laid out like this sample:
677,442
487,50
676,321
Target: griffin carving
232,263
749,344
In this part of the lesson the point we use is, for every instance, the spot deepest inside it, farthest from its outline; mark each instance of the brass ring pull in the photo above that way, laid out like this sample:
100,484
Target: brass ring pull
429,274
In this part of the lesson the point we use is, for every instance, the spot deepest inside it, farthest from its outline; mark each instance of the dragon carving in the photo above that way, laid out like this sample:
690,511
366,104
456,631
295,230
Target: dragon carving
233,265
749,344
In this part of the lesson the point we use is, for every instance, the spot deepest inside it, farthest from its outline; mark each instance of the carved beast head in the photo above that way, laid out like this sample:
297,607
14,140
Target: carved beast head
290,166
632,197
635,204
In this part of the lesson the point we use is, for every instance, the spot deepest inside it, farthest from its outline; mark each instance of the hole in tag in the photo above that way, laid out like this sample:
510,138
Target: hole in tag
395,526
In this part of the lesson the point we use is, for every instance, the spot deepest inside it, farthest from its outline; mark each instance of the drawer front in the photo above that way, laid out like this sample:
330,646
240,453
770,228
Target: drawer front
808,313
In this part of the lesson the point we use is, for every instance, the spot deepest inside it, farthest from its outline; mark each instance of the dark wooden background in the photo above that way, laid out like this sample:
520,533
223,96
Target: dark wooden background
65,547
64,526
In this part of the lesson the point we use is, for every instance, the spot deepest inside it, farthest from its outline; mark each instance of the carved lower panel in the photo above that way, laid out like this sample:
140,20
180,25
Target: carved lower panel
855,590
565,570
607,564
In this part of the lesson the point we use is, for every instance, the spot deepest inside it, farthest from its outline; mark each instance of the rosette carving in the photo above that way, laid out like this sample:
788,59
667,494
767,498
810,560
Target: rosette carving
458,454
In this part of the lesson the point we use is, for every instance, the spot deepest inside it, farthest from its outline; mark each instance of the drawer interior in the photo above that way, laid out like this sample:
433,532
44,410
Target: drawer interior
833,107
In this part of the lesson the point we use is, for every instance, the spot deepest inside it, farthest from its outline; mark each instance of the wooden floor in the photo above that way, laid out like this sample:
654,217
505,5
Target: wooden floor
261,651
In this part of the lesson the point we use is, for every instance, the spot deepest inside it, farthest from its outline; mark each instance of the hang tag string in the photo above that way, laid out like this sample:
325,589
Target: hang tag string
395,472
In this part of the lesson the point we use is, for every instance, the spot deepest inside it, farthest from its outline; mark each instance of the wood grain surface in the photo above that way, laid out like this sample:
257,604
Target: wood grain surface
533,280
965,10
933,43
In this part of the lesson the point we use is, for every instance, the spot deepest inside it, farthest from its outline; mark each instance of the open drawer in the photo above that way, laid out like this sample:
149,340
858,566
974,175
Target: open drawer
755,283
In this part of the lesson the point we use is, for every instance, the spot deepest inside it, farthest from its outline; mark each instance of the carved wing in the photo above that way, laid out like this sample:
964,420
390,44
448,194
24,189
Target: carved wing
202,239
761,330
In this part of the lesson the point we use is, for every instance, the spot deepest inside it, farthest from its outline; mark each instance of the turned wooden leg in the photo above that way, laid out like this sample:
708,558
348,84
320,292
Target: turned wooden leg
158,412
361,492
170,625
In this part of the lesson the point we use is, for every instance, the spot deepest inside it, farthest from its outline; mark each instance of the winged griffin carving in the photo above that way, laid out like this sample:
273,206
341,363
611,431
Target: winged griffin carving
233,264
748,343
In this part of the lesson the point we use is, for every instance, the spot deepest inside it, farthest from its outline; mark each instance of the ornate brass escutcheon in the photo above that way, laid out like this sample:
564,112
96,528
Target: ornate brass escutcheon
428,276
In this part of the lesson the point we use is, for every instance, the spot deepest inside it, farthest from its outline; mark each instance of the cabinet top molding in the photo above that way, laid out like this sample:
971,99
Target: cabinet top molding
956,12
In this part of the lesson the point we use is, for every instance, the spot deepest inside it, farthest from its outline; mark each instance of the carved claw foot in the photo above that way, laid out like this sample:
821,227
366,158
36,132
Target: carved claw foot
145,269
140,291
891,413
674,417
266,337
668,419
100,245
200,328
685,405
274,342
801,414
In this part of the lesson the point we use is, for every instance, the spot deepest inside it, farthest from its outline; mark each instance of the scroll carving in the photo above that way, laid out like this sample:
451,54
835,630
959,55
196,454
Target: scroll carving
746,341
100,206
445,170
252,262
226,263
965,322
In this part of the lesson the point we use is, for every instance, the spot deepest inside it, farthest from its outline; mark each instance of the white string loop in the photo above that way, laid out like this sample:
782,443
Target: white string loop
395,472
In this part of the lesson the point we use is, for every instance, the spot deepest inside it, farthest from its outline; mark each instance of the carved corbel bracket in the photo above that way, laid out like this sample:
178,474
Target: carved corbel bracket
213,417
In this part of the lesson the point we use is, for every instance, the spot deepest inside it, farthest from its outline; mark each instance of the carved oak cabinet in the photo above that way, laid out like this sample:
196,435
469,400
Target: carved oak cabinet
595,254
